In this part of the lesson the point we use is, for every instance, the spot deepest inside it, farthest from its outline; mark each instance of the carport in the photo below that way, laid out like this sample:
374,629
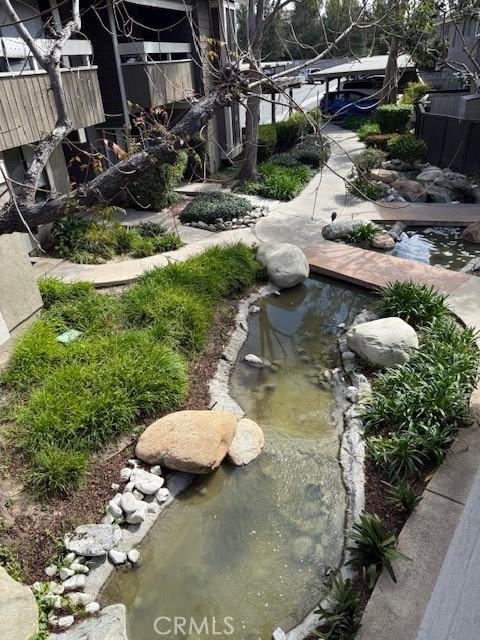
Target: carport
371,65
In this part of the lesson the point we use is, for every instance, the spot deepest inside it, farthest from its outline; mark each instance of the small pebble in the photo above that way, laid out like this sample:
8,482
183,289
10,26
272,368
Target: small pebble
125,474
133,556
133,462
79,567
156,470
117,557
65,621
115,486
51,570
254,309
162,494
66,572
138,494
129,487
74,583
276,293
69,558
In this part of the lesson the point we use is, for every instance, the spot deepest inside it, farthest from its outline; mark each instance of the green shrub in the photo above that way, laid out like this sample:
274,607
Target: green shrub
367,129
407,147
286,159
167,242
414,92
393,118
143,247
56,471
290,131
155,187
267,141
400,455
210,206
340,616
53,290
414,302
368,159
403,496
363,188
67,232
278,182
373,548
312,150
149,229
10,562
363,233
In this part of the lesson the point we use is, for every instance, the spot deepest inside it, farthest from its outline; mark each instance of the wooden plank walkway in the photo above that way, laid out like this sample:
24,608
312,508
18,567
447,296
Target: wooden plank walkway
421,214
375,270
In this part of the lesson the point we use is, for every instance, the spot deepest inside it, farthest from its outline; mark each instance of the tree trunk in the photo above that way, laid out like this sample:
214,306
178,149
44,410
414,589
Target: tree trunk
390,84
249,166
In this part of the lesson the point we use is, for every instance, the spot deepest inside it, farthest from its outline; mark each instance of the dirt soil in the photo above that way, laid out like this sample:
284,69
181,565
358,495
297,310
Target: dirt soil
33,531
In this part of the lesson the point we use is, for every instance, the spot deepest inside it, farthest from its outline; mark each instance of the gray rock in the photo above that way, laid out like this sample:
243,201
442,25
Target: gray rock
129,503
51,570
147,483
340,229
117,557
65,621
114,508
125,474
111,624
69,558
162,494
93,539
279,634
92,607
79,599
286,264
383,241
19,613
247,442
430,175
138,516
386,342
66,572
254,361
156,470
75,582
133,556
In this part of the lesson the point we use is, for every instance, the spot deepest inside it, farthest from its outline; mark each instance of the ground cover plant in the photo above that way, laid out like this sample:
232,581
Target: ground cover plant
340,615
363,234
415,411
87,241
130,361
278,181
407,147
209,207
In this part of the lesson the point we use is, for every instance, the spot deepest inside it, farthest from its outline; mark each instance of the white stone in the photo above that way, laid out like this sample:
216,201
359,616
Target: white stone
254,309
286,264
93,539
138,494
162,494
254,361
75,582
92,607
247,442
130,503
133,556
147,483
66,572
133,462
386,342
51,570
65,621
56,588
156,470
429,175
117,557
115,486
114,508
138,516
69,558
340,229
125,474
129,487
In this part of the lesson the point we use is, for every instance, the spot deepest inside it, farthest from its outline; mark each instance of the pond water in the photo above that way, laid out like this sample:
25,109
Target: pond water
250,545
438,246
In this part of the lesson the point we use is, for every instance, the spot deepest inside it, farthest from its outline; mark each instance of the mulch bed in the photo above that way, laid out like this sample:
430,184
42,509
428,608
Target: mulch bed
33,530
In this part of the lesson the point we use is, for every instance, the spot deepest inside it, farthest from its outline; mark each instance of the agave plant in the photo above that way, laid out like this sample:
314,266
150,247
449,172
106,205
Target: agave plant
373,548
340,614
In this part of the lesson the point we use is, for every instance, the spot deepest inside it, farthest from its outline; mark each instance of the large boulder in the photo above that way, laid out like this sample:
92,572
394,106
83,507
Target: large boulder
340,229
93,539
286,264
110,624
472,233
385,343
18,608
191,441
384,175
430,175
383,241
247,442
411,190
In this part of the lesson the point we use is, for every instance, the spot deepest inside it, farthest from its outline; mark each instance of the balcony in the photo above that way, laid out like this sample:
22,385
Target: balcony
27,108
157,73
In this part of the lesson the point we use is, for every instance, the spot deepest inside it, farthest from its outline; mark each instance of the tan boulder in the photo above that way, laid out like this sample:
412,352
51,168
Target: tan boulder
192,441
383,241
472,233
18,607
411,190
247,442
384,175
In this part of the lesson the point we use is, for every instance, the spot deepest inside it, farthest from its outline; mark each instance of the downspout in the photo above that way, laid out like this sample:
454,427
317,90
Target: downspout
118,65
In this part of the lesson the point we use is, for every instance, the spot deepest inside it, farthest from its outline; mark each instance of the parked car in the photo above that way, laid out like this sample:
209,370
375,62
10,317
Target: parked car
348,103
366,85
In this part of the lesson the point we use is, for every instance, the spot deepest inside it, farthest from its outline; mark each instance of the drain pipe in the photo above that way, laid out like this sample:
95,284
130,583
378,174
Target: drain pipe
118,65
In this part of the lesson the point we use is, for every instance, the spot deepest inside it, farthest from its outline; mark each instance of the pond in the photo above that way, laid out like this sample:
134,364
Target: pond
252,544
438,246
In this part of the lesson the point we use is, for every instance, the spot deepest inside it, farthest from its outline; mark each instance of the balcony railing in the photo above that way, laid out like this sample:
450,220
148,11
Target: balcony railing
27,108
159,83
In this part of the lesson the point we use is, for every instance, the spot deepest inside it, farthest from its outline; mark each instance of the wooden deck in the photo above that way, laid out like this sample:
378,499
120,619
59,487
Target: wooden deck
375,270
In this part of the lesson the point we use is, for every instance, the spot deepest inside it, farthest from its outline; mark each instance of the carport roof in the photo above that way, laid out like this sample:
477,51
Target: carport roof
371,65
